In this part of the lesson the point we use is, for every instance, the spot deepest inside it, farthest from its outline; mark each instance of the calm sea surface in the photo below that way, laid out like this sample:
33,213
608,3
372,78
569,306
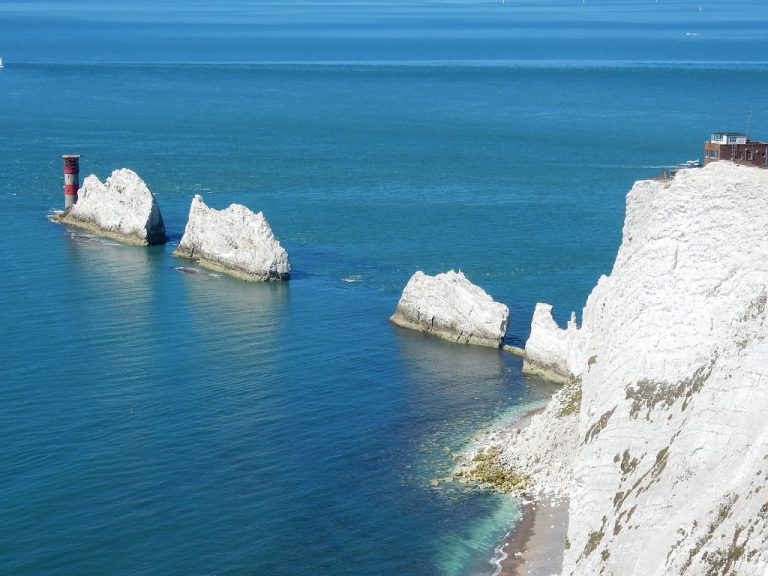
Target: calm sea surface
157,422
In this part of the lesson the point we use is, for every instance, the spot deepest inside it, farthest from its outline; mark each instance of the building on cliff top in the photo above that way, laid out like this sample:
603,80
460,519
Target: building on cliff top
737,147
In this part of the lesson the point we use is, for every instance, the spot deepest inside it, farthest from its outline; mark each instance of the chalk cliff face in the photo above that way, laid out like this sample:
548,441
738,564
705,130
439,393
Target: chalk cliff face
451,307
671,458
122,208
234,241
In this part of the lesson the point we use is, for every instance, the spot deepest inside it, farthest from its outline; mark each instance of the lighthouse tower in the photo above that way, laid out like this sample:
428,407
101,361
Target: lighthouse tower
71,179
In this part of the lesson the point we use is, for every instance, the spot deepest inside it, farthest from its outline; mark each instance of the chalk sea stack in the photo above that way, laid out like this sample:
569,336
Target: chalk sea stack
451,307
122,208
235,241
666,409
550,351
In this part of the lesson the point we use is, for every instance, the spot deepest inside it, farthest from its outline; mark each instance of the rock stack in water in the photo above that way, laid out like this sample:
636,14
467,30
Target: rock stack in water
451,307
234,241
550,351
121,208
669,461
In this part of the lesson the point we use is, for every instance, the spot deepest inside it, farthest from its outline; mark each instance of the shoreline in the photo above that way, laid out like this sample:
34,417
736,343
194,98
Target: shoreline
536,545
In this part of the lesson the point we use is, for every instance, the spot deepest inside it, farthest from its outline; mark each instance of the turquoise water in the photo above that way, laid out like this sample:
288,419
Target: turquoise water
161,422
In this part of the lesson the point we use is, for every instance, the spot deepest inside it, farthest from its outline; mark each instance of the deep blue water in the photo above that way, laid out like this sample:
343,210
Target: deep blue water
160,422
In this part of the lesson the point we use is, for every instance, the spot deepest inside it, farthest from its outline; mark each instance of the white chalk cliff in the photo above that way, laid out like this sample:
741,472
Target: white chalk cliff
669,465
235,241
451,307
122,208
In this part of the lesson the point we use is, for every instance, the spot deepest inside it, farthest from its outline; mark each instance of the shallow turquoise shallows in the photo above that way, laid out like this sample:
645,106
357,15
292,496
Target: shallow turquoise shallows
161,422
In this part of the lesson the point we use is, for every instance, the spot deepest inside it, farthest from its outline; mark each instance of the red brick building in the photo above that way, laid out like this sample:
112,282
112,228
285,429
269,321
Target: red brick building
737,147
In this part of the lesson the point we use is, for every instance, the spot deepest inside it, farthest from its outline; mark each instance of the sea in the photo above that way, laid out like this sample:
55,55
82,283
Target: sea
160,419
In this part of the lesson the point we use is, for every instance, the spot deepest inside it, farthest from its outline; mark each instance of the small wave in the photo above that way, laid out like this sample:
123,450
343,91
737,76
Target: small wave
80,237
84,237
202,274
499,555
353,279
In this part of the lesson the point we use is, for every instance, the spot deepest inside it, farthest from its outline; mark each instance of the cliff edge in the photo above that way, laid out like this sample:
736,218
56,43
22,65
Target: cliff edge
234,241
121,208
670,388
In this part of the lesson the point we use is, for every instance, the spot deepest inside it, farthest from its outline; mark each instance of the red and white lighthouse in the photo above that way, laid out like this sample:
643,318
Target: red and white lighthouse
71,179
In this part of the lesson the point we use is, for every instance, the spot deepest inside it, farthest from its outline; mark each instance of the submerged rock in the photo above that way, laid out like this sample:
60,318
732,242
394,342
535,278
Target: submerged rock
234,241
670,439
451,307
121,208
551,352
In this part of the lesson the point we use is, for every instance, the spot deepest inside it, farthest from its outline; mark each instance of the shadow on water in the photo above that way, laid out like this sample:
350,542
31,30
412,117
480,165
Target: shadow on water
106,255
461,391
174,237
458,374
103,269
236,320
300,275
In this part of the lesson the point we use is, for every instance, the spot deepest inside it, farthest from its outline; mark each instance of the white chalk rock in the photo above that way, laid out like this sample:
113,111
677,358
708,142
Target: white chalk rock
451,307
544,450
550,351
122,208
671,456
234,241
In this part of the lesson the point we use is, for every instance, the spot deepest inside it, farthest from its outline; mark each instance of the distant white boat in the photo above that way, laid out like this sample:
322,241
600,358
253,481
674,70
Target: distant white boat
1,62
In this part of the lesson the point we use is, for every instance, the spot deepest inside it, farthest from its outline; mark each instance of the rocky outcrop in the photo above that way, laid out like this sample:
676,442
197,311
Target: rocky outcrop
121,208
451,307
234,241
538,452
550,351
670,453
